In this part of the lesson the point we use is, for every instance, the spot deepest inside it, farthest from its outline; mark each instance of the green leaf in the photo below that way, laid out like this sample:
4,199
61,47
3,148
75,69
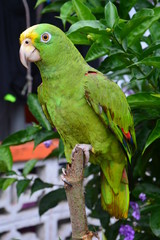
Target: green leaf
150,61
155,222
22,186
149,50
8,182
91,169
140,22
29,165
39,2
155,35
54,153
143,114
79,38
89,26
114,62
144,100
71,19
36,110
112,230
2,180
51,200
98,212
10,173
58,152
39,184
143,4
92,192
125,7
146,188
79,33
98,49
139,17
149,208
65,11
21,137
95,3
53,7
61,148
145,106
119,74
44,135
111,14
6,160
155,134
82,11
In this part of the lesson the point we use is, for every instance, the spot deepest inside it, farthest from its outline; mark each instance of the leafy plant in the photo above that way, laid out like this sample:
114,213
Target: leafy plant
128,47
127,43
38,133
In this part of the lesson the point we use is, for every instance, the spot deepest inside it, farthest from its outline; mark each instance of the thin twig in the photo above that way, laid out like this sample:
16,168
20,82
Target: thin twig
27,13
29,78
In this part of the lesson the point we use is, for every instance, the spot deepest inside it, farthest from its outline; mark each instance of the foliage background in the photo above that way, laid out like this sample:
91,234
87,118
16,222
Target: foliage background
129,50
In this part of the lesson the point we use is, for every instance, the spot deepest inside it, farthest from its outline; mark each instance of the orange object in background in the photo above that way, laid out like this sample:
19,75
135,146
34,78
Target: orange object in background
26,151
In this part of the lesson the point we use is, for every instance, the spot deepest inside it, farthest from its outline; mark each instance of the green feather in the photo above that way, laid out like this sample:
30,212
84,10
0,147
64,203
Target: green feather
86,107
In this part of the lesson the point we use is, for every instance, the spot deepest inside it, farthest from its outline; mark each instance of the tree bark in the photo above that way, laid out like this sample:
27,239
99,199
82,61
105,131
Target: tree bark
73,184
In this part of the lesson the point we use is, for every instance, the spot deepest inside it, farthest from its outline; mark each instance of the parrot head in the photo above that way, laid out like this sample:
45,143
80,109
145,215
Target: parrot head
44,44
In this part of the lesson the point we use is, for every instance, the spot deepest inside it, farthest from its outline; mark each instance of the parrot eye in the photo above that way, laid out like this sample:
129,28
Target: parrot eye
45,37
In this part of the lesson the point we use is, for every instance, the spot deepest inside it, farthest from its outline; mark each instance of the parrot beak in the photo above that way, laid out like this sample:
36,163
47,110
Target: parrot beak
28,53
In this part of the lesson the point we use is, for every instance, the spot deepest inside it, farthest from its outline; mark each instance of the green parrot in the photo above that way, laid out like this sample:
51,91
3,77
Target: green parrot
86,108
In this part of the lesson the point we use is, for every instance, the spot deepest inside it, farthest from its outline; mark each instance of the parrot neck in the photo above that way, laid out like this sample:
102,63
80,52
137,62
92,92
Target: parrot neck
62,64
64,75
63,70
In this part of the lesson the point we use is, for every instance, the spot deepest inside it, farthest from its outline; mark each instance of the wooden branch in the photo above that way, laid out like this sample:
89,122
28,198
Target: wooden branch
75,196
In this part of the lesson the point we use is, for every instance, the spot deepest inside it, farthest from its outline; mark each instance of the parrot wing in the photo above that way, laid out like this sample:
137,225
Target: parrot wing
110,104
43,104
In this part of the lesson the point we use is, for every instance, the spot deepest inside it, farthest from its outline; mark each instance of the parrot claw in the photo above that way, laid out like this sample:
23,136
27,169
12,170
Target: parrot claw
65,181
64,171
85,148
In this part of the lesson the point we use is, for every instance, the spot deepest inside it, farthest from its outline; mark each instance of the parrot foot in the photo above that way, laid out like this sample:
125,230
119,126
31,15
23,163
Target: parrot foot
64,180
85,148
64,171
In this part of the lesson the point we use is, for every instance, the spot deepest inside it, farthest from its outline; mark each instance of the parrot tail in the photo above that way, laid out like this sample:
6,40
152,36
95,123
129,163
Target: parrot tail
116,204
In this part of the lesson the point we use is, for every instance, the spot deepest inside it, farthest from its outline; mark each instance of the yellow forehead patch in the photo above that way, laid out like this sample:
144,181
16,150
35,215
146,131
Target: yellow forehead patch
29,33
